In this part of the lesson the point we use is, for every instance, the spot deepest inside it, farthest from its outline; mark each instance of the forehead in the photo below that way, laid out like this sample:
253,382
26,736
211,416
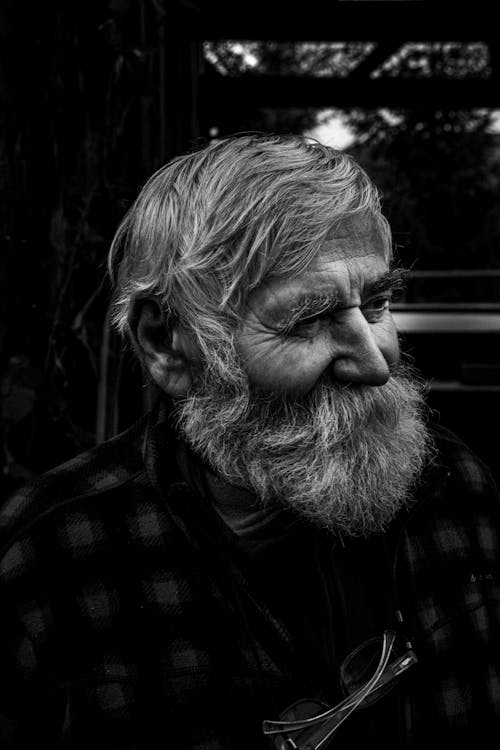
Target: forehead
356,236
354,255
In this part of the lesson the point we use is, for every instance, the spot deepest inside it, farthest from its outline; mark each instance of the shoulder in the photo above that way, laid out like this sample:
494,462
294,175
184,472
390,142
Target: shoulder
466,472
93,474
457,516
448,589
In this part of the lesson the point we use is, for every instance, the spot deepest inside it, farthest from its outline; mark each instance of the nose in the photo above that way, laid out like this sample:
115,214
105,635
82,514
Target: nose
358,351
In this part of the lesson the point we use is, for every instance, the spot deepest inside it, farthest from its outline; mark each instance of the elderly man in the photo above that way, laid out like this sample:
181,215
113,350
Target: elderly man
285,552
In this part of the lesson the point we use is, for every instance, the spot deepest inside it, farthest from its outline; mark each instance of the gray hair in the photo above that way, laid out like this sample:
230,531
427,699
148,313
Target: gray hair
210,226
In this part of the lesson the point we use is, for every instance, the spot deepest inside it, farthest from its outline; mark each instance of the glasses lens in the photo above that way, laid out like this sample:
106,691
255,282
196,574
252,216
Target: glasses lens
361,663
303,709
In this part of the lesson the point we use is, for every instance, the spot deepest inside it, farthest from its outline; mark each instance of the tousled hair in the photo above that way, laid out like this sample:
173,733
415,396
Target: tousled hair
210,226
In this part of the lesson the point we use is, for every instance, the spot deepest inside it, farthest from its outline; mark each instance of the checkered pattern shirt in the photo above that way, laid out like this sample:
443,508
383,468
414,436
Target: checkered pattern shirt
124,622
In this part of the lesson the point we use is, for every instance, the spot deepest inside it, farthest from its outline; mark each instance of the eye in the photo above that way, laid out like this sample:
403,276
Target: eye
375,309
308,327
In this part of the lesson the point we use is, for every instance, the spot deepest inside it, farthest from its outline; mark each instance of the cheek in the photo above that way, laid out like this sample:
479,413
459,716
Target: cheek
292,369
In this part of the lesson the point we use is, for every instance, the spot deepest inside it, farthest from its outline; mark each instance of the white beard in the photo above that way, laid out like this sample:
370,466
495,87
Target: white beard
346,458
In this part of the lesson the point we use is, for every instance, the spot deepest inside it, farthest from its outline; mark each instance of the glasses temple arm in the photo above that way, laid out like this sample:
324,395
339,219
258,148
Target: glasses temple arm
276,727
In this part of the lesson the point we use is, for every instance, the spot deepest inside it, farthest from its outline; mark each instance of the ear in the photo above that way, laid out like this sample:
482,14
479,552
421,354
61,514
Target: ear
166,349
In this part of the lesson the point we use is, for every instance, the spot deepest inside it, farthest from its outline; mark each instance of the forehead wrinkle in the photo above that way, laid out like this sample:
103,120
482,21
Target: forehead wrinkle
364,230
352,270
343,249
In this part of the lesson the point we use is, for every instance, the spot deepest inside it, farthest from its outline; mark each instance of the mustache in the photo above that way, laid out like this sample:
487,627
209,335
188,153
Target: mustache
355,403
330,417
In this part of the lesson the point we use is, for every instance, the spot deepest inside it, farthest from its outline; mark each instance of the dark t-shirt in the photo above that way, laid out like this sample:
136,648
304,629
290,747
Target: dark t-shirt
331,597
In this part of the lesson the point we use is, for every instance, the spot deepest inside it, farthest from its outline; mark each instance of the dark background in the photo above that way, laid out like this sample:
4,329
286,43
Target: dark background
96,95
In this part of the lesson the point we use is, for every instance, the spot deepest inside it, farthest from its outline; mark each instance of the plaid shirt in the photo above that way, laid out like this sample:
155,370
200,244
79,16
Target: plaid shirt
125,623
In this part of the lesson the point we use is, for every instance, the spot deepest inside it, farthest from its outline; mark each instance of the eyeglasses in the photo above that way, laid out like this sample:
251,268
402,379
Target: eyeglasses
301,727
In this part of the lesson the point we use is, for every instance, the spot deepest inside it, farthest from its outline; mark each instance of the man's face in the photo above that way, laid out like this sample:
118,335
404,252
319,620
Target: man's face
332,319
308,408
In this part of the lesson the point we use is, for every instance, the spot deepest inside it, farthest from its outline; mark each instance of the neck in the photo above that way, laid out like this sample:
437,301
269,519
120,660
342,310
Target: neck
238,507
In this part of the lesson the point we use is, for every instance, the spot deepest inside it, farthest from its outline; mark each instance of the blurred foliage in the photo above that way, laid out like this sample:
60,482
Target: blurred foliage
444,59
233,58
339,59
439,173
295,58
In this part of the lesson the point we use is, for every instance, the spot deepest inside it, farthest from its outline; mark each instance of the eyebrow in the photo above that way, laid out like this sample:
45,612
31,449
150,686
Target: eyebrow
309,305
392,280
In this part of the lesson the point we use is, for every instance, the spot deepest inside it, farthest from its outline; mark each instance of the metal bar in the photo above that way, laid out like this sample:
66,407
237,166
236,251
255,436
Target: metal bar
446,322
464,273
306,91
